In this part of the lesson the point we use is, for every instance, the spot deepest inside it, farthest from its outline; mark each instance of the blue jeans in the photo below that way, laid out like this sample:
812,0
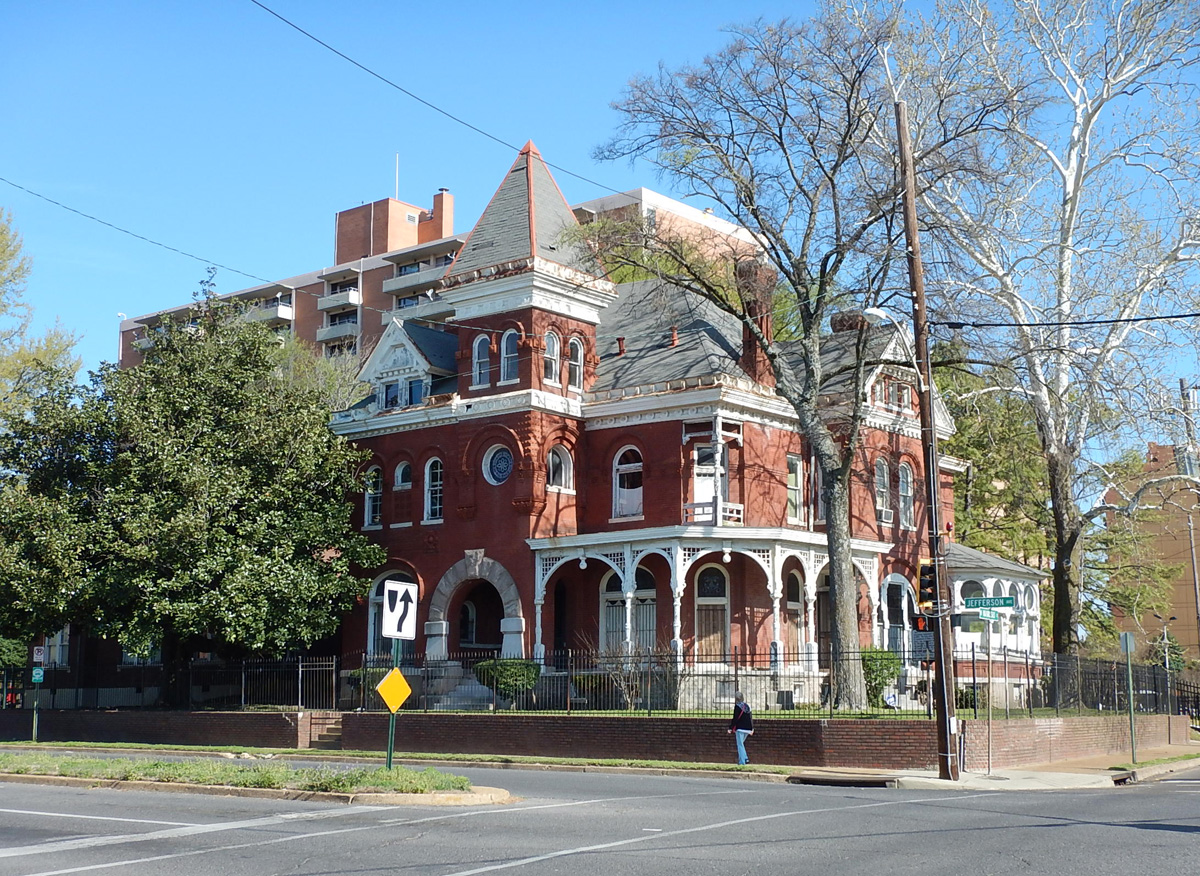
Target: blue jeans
741,735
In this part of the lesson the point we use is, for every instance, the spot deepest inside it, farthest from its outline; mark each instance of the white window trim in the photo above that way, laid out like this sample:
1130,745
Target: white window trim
724,601
568,487
504,358
616,476
906,503
476,361
556,359
798,518
487,464
396,485
428,493
373,497
572,345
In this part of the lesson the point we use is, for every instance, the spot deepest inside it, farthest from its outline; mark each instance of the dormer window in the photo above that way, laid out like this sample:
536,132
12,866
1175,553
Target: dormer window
899,395
416,391
391,396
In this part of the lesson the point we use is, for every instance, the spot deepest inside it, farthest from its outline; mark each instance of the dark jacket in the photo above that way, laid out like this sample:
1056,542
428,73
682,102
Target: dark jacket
741,718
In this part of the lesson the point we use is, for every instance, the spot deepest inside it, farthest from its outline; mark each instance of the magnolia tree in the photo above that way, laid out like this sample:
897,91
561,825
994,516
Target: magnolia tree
789,132
1068,257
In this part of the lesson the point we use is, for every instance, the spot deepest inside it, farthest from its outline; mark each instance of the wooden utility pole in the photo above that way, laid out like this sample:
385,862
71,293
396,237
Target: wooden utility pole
948,767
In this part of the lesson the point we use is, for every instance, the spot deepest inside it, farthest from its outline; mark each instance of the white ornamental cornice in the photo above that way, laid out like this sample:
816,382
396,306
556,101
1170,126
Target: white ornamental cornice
362,423
542,284
682,402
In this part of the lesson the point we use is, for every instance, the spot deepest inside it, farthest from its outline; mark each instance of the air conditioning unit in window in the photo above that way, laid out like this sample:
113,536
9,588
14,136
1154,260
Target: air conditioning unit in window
884,515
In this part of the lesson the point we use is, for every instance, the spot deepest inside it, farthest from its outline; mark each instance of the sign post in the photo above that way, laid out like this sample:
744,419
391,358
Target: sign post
1127,646
38,675
399,622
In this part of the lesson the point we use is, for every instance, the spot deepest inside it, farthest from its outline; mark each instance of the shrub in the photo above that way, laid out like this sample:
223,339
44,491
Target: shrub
880,668
508,677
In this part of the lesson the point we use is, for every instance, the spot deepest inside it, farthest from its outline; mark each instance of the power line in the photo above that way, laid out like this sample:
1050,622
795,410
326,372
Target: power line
133,234
954,324
421,100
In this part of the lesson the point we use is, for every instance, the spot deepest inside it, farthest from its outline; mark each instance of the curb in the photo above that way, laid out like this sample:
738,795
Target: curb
475,797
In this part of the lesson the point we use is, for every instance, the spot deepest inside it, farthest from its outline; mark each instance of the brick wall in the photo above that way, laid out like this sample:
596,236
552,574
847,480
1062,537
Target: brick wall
1046,740
894,745
252,729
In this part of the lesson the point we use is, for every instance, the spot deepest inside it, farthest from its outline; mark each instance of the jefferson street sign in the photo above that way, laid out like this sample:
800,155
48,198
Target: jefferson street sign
989,602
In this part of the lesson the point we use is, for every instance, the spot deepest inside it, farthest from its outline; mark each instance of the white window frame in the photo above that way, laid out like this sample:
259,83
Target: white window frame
58,647
435,495
509,358
552,361
818,500
487,464
575,364
795,488
418,384
567,467
905,493
481,364
402,478
612,641
373,498
391,395
621,470
883,491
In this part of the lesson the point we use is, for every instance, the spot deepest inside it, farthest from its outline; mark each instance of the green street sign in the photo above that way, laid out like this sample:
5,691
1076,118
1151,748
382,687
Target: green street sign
989,602
39,675
989,614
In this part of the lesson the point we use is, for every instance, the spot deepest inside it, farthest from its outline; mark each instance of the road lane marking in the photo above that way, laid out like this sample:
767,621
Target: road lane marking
95,817
599,847
191,830
452,816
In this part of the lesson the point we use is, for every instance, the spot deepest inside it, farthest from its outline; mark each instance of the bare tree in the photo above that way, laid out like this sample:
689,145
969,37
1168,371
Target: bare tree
789,131
1086,229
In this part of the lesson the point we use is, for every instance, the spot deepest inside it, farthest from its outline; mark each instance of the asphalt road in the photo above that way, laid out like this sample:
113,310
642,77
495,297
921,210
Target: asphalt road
615,825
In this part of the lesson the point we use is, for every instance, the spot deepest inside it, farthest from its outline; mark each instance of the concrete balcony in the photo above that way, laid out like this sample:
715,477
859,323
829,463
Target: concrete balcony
421,307
339,301
337,332
416,281
274,314
142,344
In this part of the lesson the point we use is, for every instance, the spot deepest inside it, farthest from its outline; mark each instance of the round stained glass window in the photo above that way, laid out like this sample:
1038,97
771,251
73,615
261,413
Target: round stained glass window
498,464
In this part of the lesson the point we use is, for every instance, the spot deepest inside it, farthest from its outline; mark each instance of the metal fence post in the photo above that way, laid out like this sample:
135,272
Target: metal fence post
974,683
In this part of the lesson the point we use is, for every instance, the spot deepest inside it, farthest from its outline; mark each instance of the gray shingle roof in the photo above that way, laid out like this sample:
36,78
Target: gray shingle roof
962,559
524,219
437,347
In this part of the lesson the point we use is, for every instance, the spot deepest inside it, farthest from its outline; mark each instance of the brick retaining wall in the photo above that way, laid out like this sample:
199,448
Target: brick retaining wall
1024,741
892,744
251,729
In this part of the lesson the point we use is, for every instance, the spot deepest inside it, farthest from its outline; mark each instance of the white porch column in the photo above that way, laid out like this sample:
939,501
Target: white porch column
676,599
776,589
539,650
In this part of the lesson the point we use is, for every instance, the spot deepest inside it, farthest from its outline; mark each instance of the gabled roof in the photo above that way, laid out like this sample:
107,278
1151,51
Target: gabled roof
962,559
408,349
524,220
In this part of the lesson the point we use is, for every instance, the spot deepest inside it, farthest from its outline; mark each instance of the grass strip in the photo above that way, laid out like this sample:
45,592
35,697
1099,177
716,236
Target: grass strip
208,771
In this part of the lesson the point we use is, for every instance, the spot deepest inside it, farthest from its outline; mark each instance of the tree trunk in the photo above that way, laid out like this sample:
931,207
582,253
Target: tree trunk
1068,549
848,687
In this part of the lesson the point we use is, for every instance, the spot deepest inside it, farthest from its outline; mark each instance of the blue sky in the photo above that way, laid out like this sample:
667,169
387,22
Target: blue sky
216,129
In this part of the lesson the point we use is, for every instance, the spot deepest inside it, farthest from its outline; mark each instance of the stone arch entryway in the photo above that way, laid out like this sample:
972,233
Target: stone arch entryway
475,567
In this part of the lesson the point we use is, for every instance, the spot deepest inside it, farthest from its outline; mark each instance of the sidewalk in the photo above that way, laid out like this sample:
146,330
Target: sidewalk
1087,772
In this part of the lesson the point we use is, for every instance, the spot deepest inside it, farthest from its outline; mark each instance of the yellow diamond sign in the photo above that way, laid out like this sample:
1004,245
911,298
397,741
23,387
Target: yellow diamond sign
394,690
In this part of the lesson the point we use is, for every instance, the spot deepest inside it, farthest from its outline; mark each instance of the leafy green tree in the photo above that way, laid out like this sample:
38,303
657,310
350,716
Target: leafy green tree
28,363
13,653
199,497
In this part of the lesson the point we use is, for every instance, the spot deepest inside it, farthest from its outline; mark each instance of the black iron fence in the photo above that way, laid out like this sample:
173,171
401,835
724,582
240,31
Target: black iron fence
780,683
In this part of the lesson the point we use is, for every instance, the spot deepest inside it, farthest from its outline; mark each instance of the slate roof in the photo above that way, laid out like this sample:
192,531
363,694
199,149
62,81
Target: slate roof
709,340
961,558
524,219
437,347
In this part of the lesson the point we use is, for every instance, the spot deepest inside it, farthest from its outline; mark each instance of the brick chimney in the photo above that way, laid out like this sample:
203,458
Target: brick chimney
755,283
847,321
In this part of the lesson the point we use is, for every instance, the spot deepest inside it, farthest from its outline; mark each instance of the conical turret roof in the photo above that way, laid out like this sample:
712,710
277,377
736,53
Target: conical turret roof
523,221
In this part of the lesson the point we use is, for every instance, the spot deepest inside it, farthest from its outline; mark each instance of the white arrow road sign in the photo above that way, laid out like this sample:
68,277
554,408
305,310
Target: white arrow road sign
399,610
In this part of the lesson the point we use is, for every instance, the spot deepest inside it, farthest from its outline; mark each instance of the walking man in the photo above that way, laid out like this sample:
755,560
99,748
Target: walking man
742,725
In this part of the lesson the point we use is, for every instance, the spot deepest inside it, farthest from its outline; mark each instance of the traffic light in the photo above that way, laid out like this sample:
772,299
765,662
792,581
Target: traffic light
927,589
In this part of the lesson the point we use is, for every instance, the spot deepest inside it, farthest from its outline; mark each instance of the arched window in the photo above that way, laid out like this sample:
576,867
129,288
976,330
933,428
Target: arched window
907,515
373,497
560,471
403,477
376,643
645,610
612,614
433,490
883,491
466,623
575,364
793,613
481,366
508,356
551,360
627,483
712,612
972,589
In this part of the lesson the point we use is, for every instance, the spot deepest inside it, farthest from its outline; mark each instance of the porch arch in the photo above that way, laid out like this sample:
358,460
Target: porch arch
475,566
